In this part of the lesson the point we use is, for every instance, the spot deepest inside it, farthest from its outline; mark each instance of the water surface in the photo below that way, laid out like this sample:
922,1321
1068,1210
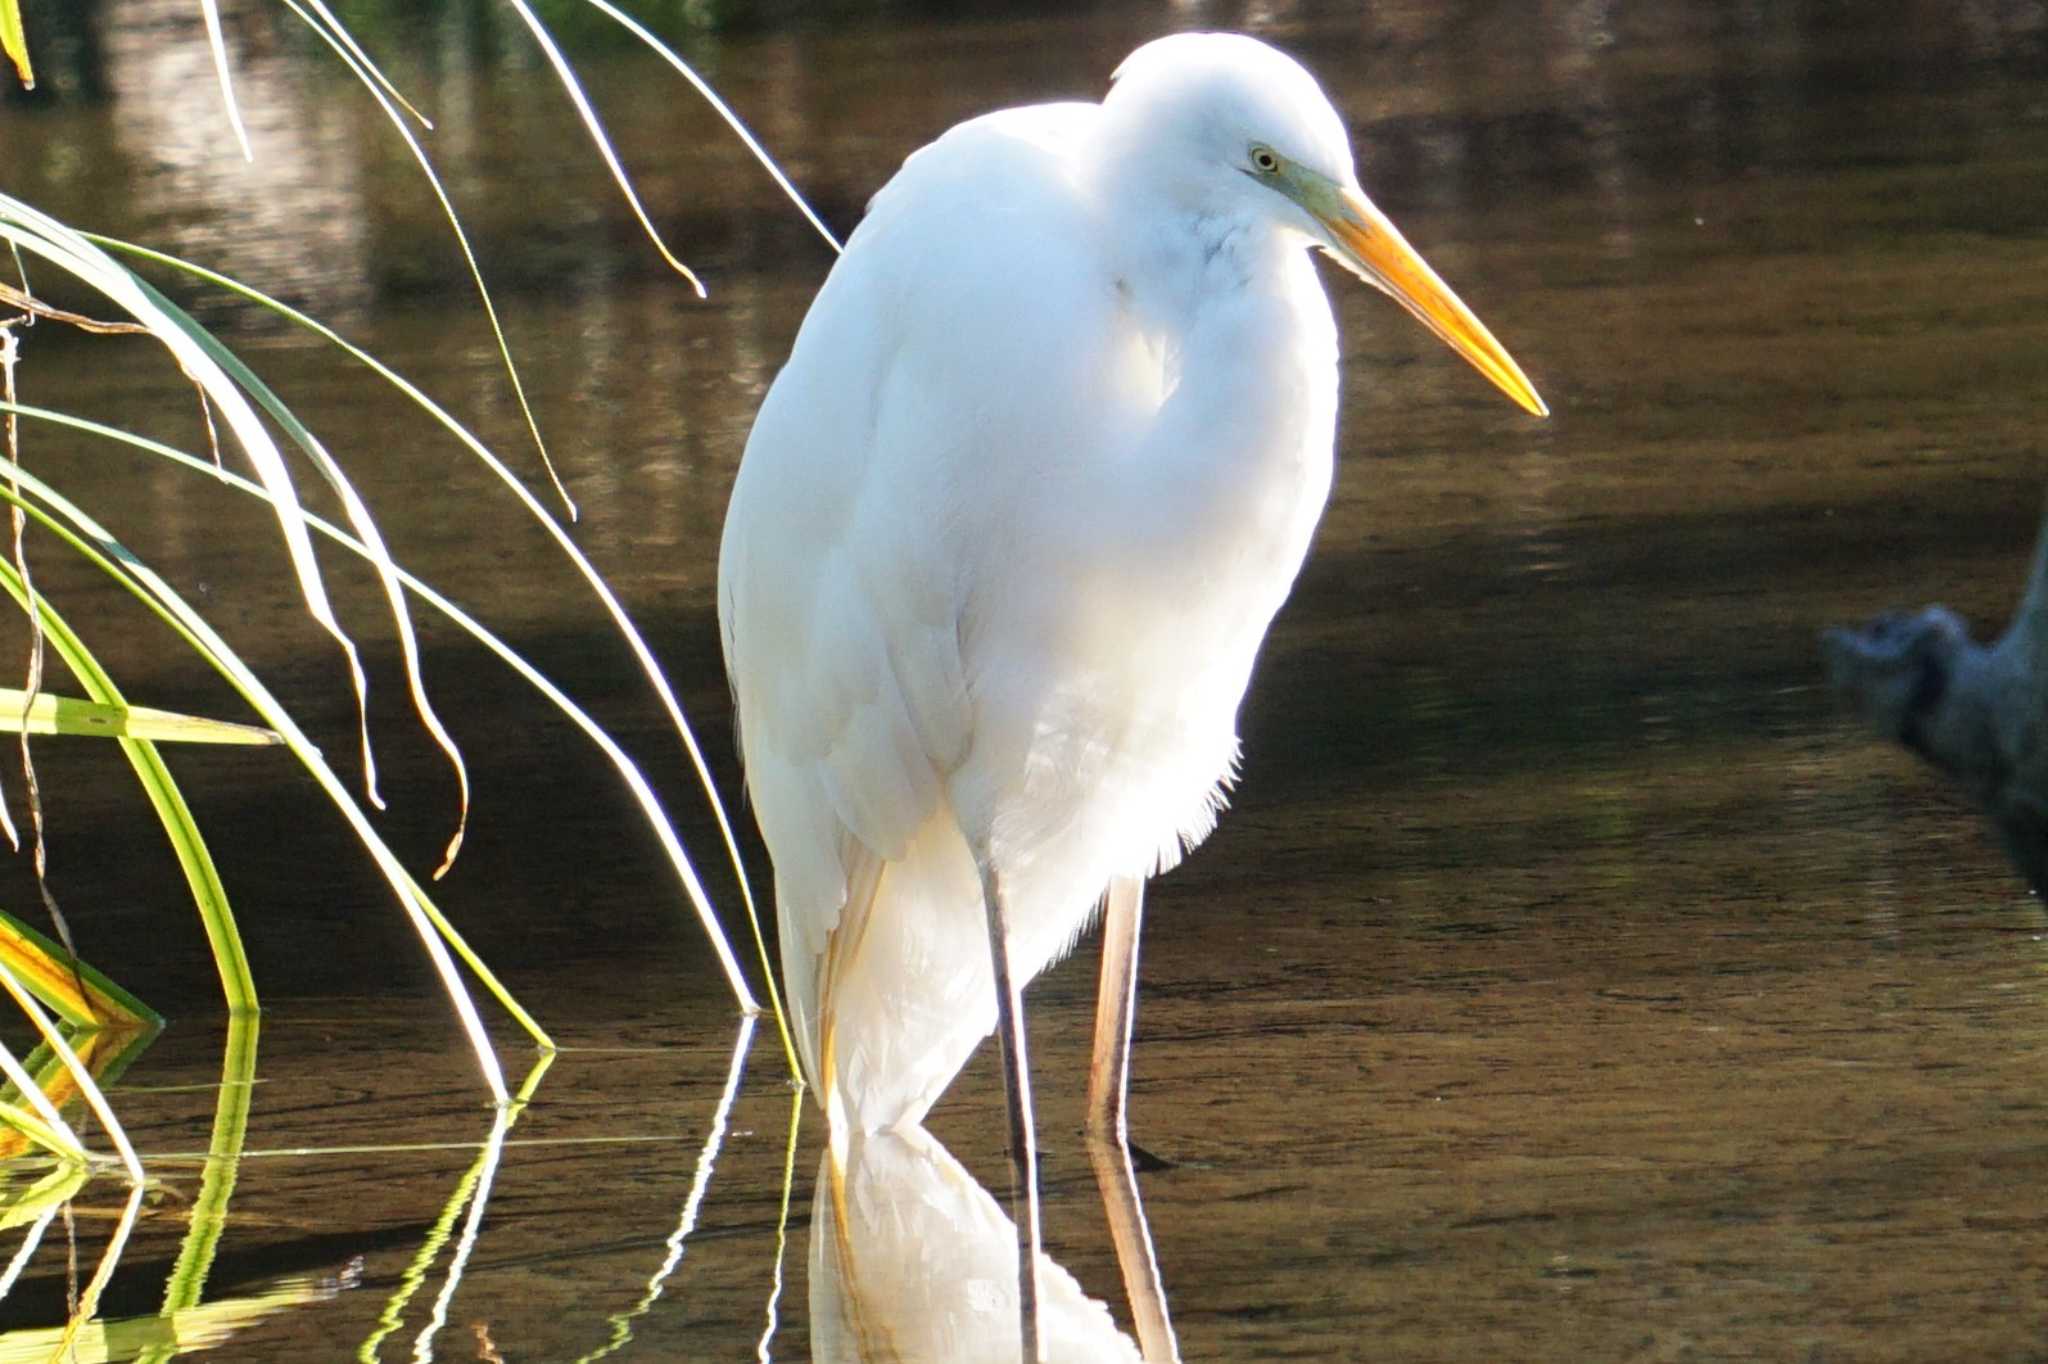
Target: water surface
1570,979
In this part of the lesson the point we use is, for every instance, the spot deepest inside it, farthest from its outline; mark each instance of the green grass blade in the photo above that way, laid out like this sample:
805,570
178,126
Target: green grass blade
105,552
461,239
67,715
218,43
209,896
724,111
649,667
36,232
628,771
49,973
574,89
94,1099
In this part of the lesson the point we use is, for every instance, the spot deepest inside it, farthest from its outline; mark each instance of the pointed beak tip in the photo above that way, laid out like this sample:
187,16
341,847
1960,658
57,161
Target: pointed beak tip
1363,238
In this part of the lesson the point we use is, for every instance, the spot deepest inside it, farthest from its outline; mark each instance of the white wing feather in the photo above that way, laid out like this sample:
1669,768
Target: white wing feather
846,567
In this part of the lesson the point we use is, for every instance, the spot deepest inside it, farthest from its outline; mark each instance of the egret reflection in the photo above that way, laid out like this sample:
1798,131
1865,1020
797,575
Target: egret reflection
912,1260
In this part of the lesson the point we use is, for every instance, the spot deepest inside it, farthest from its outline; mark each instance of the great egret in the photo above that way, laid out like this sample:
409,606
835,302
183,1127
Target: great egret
1978,713
1007,534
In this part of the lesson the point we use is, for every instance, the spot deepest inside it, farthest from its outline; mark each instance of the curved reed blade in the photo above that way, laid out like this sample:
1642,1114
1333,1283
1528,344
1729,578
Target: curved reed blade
209,895
106,553
591,123
410,892
43,236
650,668
217,42
724,111
461,240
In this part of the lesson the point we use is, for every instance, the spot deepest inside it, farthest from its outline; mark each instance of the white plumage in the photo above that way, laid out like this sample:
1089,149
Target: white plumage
1012,524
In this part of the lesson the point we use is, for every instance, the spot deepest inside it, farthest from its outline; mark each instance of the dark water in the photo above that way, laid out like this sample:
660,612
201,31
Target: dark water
1570,980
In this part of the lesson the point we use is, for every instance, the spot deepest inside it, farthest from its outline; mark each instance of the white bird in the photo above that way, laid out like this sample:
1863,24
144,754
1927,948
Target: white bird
1006,537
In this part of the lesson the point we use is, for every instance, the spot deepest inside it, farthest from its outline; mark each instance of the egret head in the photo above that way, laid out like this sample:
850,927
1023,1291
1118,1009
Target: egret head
1208,100
1224,124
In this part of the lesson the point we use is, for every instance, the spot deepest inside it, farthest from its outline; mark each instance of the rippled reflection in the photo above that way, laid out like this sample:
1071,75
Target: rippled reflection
912,1260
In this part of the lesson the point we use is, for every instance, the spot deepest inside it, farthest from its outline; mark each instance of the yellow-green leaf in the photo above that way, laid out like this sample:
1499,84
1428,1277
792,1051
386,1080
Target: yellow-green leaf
68,715
14,42
46,971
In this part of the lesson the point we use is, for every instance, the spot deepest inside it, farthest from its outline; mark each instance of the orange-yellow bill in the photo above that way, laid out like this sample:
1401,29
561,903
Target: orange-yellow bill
1375,249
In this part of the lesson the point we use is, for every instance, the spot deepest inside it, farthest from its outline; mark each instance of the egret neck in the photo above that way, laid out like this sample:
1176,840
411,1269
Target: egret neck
1225,484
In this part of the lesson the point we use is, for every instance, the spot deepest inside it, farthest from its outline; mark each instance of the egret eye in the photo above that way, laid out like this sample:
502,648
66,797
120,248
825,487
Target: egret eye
1264,159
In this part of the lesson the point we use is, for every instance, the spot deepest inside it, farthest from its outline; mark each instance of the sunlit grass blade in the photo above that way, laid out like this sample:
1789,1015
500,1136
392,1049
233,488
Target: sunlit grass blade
630,634
33,1093
376,73
476,274
36,232
628,772
724,111
67,715
138,579
591,124
110,557
378,557
47,972
209,896
14,42
217,41
192,1332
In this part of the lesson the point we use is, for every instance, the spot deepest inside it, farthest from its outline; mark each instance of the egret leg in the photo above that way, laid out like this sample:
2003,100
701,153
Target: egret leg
1108,1147
1116,1005
1023,1135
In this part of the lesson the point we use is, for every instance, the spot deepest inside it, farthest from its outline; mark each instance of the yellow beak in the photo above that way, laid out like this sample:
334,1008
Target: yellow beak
1374,249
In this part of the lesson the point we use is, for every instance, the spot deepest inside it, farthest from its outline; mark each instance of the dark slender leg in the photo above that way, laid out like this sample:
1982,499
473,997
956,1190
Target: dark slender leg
1108,1149
1023,1137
